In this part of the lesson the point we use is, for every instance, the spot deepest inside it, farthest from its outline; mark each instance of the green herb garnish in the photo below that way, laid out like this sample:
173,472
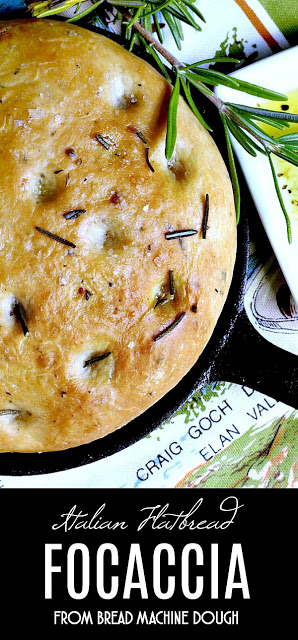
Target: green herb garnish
143,23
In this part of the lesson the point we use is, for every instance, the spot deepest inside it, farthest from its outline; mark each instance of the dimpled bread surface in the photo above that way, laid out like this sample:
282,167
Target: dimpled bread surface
95,331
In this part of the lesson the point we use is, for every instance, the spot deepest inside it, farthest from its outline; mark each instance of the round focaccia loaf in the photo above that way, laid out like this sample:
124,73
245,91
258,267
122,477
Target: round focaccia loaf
102,309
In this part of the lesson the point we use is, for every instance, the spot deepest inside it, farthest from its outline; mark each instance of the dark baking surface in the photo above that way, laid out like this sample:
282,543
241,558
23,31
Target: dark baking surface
235,353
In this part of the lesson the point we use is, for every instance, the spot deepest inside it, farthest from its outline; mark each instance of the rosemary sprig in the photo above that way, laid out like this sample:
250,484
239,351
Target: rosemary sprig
140,18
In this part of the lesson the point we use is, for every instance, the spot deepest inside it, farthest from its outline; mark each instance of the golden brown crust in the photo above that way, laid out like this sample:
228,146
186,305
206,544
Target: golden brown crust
61,89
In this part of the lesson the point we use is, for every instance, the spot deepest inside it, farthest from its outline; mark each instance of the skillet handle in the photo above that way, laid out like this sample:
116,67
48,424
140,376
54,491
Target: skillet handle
250,360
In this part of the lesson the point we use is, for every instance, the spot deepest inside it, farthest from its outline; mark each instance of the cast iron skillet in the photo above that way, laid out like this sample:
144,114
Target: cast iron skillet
232,354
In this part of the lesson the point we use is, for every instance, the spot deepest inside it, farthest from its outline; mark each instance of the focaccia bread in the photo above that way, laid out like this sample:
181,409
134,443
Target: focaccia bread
103,308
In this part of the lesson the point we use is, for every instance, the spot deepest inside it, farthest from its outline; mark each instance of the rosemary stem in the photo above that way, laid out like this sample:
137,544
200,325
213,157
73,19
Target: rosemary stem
226,111
268,147
171,59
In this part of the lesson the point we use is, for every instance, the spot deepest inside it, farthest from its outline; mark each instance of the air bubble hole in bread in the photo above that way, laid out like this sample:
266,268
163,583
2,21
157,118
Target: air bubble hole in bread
112,278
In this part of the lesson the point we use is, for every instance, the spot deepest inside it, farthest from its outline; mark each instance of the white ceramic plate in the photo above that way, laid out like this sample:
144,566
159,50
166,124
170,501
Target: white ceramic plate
277,72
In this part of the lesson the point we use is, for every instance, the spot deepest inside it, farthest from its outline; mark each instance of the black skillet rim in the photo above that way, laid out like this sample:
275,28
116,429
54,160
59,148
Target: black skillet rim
18,464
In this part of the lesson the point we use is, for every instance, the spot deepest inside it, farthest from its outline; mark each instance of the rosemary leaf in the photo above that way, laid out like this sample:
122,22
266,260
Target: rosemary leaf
171,135
147,160
96,359
84,13
193,79
261,92
102,141
215,78
286,154
161,302
141,136
194,8
147,23
172,235
234,177
170,327
192,105
125,3
135,17
182,13
277,124
205,217
157,8
290,139
177,22
10,412
241,137
19,313
157,28
51,12
172,283
276,115
170,20
75,213
253,128
132,42
156,57
210,60
55,237
78,7
278,192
